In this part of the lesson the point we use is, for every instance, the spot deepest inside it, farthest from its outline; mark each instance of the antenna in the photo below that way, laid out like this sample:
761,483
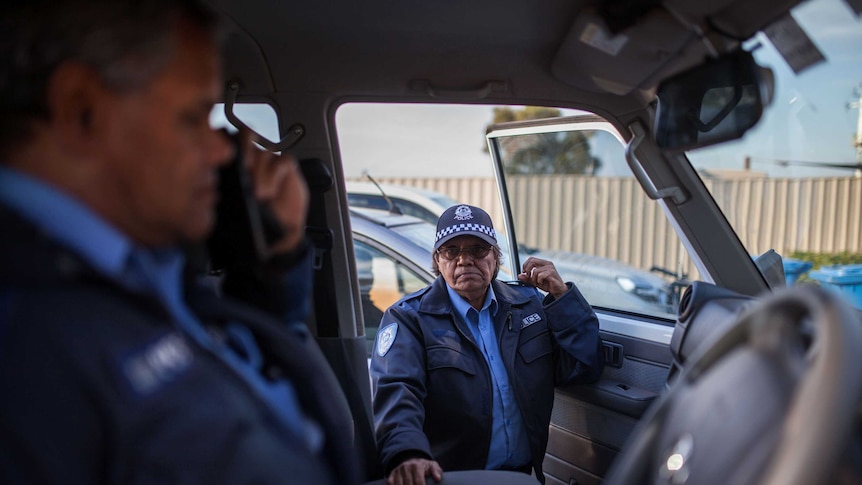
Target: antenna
393,208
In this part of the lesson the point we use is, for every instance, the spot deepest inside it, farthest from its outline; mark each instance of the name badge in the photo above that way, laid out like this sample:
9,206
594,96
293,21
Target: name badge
159,363
526,322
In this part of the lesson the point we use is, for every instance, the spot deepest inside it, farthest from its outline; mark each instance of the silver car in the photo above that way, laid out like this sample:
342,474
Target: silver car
393,259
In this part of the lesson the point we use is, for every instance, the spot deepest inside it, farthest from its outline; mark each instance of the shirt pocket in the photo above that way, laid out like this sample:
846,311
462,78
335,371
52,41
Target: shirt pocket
446,357
537,345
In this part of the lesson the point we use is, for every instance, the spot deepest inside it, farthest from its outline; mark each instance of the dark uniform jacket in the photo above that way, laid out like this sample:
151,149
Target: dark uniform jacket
432,387
97,385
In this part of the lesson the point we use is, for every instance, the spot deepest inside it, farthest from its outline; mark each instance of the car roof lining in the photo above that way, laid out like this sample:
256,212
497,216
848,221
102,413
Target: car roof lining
388,48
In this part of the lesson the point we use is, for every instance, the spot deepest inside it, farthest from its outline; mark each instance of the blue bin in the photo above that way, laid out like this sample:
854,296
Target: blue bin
845,279
793,269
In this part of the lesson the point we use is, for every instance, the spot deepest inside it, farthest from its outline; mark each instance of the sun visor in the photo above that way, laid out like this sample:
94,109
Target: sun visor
637,52
742,19
593,58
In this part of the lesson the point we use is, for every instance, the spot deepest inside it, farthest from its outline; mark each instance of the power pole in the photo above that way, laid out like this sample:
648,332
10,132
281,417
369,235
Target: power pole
857,140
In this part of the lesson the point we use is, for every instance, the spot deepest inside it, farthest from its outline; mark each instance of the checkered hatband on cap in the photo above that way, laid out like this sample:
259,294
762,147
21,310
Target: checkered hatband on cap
466,228
464,220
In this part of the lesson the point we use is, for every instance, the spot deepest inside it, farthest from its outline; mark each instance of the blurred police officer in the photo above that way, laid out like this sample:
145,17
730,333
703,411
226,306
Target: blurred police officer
115,366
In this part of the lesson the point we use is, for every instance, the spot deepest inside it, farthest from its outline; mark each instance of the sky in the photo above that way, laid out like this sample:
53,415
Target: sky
810,118
435,140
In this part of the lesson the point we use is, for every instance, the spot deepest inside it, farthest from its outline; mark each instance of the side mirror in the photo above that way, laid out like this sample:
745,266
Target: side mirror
771,266
714,102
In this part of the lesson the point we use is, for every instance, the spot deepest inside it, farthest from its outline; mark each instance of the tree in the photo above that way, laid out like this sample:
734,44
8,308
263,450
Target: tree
546,153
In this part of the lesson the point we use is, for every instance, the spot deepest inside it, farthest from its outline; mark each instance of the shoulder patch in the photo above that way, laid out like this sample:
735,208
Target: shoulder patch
156,365
385,338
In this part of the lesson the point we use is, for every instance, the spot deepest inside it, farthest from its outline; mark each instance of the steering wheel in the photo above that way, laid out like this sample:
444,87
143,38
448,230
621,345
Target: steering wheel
771,400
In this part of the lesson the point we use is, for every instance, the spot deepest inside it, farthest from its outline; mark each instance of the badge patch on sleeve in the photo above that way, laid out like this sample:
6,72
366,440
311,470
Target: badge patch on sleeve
526,322
385,338
159,363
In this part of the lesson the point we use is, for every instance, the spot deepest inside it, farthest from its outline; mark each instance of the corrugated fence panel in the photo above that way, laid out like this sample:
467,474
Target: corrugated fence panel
819,215
612,217
854,236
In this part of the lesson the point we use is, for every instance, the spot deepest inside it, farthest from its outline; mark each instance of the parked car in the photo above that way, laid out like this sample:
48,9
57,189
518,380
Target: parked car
607,283
393,259
389,262
422,203
604,282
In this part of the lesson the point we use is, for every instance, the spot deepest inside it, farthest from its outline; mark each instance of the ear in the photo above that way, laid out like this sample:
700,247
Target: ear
74,95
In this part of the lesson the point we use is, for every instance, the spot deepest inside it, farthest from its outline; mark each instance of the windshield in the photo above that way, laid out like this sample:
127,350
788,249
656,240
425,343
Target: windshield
792,183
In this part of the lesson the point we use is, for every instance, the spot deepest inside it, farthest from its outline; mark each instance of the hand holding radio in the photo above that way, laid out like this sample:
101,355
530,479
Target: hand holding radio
263,201
279,185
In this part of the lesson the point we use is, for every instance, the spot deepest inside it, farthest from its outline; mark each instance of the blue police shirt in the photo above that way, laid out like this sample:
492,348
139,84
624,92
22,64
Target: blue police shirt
154,271
509,445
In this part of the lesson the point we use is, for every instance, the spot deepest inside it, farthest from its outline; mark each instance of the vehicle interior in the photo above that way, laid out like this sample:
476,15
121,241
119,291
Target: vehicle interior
747,381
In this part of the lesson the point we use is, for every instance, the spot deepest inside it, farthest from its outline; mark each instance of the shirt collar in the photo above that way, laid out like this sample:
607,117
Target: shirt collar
463,307
68,221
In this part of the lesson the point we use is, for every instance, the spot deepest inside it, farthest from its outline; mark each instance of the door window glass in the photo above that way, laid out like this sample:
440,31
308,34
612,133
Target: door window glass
573,198
574,202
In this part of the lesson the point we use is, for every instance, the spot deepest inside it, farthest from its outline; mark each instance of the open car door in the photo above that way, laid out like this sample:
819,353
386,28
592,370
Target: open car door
570,197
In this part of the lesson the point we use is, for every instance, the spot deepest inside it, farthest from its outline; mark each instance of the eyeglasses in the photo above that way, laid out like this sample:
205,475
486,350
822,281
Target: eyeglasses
475,252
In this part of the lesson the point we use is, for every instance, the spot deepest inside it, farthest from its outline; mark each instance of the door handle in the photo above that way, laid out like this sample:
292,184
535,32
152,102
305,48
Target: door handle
613,354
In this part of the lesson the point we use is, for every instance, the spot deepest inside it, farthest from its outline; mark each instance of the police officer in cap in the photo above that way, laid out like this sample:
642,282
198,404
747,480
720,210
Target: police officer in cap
464,370
116,365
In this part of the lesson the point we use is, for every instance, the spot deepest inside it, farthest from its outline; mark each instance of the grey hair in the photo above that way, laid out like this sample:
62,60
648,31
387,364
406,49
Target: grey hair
127,42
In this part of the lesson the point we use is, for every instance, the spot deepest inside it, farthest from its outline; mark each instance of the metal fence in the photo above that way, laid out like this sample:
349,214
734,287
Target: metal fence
612,217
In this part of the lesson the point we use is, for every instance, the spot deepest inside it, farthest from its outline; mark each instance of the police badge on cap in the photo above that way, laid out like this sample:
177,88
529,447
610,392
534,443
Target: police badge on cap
464,220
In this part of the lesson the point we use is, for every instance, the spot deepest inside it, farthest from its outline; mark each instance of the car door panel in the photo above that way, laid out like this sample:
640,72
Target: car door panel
591,422
644,363
573,448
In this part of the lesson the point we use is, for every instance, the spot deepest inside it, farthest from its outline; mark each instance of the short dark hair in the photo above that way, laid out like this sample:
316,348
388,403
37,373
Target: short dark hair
126,41
498,255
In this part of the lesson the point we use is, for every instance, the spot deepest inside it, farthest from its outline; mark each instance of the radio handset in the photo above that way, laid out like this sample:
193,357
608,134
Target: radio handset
245,228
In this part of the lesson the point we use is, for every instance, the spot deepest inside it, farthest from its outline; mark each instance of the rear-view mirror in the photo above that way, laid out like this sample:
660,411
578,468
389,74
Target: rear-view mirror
714,102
